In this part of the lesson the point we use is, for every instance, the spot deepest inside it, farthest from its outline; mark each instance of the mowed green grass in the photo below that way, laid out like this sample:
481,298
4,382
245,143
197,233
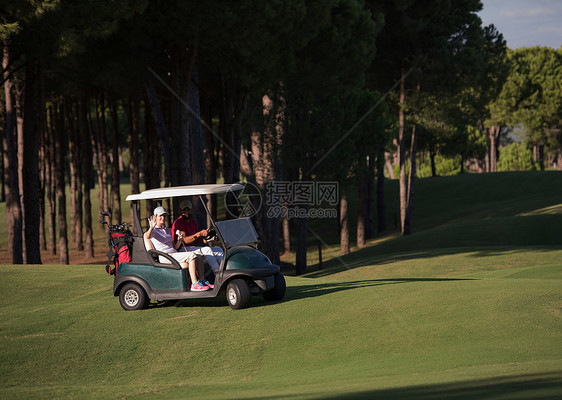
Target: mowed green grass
400,328
467,307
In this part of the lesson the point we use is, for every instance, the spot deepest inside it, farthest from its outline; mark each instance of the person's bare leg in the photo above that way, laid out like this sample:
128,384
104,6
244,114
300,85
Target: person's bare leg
192,271
200,267
191,266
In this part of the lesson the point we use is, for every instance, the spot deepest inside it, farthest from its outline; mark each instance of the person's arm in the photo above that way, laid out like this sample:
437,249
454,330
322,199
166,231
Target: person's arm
152,224
192,238
179,241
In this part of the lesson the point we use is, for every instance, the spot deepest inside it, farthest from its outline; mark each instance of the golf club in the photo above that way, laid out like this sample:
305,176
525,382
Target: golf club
178,233
108,231
106,214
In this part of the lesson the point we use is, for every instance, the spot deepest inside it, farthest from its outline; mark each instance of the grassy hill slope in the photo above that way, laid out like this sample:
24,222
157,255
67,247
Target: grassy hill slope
503,209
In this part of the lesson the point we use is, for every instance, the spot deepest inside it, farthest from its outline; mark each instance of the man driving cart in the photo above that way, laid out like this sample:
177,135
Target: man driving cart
185,228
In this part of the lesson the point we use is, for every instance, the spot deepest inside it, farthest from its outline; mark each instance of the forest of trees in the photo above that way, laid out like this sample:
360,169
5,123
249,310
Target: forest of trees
194,92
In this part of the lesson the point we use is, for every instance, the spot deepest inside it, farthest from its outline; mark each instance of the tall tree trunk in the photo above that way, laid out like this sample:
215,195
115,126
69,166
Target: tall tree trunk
60,151
70,129
3,155
134,174
19,101
389,166
265,169
34,107
402,152
237,146
494,134
101,155
152,153
182,60
133,115
381,204
361,200
432,159
196,132
231,144
104,156
300,256
541,157
11,177
74,152
232,100
42,187
177,59
95,138
365,201
286,236
210,163
115,179
196,144
79,192
87,179
161,128
370,197
411,183
51,182
344,226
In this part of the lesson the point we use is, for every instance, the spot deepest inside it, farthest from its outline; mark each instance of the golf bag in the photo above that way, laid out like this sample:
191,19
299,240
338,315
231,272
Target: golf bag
120,248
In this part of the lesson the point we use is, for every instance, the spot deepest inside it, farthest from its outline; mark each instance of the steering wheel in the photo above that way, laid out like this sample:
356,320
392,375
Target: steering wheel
211,234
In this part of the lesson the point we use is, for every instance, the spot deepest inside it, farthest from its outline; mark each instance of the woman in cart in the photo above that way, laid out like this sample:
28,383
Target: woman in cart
161,239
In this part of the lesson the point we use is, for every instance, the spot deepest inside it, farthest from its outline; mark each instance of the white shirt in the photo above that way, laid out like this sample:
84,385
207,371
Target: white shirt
162,240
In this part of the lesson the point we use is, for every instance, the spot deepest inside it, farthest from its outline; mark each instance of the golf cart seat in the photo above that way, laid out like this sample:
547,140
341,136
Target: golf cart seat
154,256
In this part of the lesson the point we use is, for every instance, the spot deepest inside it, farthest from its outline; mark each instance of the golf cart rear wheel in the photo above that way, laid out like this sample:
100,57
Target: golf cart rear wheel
238,294
278,292
132,297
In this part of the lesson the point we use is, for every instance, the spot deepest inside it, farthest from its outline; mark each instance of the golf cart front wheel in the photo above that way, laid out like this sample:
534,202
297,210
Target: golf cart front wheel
238,294
132,297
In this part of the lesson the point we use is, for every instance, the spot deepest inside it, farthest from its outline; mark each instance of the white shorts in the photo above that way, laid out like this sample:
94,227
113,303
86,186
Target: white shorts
180,256
213,255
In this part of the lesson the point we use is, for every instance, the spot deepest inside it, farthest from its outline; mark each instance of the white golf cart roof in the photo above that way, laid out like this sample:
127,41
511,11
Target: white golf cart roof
182,191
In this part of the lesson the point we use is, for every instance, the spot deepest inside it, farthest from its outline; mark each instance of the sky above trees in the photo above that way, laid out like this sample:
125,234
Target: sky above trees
525,23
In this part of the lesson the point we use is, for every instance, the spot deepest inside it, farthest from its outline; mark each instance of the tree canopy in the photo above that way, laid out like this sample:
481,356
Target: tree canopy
294,91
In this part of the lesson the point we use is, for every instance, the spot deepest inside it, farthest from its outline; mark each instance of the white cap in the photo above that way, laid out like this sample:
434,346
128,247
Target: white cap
160,211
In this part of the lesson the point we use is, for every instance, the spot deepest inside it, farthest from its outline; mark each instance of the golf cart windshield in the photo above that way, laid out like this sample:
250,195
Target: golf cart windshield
237,231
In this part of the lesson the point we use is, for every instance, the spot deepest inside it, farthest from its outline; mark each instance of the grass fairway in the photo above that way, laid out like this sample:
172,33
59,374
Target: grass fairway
445,313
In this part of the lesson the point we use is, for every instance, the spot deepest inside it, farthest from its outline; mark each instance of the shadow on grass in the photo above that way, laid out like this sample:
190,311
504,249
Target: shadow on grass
532,386
529,386
373,256
297,292
213,302
308,291
488,237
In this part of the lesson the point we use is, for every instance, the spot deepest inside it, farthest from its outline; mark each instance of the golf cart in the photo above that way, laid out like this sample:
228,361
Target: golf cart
244,271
